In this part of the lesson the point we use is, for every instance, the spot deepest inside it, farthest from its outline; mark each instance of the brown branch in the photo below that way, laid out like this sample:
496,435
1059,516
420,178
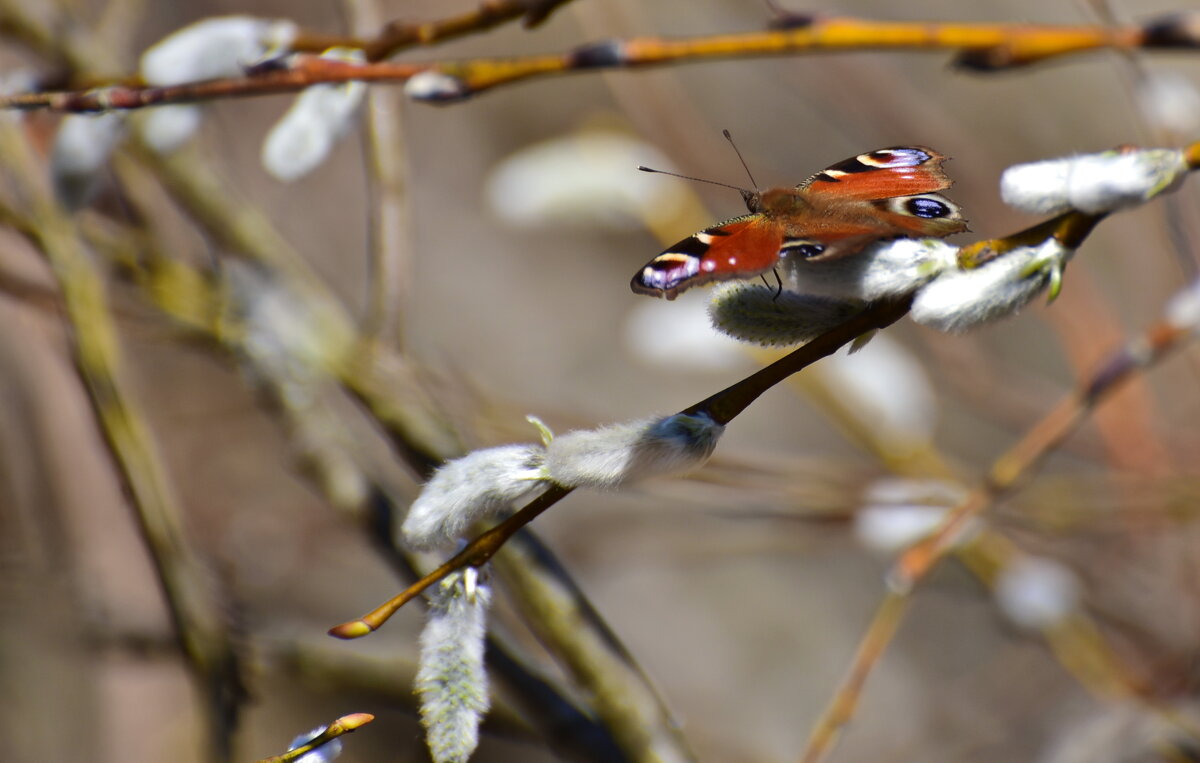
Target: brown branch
722,407
979,47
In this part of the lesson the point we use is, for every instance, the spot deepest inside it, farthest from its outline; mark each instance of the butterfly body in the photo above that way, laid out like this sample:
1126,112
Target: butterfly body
887,193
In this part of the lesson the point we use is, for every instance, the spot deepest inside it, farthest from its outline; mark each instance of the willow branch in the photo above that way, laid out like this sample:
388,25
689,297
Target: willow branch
982,47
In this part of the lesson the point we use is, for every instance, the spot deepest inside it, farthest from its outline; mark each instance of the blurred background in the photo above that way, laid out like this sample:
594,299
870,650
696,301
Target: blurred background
741,590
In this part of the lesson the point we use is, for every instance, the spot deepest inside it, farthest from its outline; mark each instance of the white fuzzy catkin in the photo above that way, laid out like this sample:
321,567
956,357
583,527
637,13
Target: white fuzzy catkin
888,390
81,150
166,128
1036,592
760,314
883,269
1183,308
215,47
451,679
583,179
959,300
1170,100
898,512
435,87
319,116
290,337
693,345
1093,183
471,488
622,453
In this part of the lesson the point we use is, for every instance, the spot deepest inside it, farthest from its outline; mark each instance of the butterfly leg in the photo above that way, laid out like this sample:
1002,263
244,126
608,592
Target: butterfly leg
778,284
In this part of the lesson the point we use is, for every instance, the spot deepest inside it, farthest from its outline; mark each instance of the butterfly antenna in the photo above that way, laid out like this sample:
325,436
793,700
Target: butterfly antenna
740,190
742,159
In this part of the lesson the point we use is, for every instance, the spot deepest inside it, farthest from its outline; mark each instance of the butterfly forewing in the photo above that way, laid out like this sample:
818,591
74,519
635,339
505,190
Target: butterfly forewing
881,174
738,248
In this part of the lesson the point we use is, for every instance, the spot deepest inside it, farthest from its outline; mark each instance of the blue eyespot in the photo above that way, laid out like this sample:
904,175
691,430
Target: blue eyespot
927,208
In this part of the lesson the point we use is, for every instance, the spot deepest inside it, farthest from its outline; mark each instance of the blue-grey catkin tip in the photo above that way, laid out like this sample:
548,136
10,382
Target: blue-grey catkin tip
615,455
323,754
451,679
471,488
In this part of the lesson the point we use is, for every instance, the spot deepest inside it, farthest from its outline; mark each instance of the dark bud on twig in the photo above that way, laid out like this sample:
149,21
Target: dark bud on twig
1178,30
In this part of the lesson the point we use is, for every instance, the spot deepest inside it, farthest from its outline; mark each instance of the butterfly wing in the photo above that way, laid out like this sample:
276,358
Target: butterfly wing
739,248
881,194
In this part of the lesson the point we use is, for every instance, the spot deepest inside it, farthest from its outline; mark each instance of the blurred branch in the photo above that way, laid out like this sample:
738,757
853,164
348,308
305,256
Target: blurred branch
1005,475
399,35
980,47
1022,458
196,611
317,433
390,209
377,376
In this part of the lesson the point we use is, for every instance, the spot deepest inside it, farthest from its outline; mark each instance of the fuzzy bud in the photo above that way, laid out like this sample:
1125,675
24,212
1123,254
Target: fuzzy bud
214,48
81,150
293,339
624,453
1183,309
897,513
676,336
1093,183
883,269
887,390
583,180
478,485
304,136
759,314
166,128
1170,100
1037,593
435,87
451,679
959,300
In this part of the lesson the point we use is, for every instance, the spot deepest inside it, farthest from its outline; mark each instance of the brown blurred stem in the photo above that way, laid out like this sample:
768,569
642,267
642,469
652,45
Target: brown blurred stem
398,35
389,207
1006,474
193,603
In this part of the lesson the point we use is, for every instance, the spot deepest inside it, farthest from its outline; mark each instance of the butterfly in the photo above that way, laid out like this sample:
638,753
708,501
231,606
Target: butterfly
882,194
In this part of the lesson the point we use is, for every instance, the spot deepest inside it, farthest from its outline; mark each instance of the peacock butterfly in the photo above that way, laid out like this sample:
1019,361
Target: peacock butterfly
886,193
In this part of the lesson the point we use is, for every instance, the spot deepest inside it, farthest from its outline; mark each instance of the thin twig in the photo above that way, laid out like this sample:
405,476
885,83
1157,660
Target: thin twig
344,725
389,209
